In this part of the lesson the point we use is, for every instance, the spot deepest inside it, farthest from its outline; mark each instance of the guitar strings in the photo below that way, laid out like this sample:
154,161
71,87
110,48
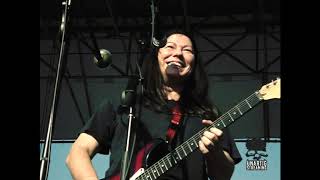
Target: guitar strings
225,115
198,136
195,138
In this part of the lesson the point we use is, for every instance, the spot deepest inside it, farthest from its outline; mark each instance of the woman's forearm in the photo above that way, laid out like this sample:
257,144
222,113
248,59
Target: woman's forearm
79,163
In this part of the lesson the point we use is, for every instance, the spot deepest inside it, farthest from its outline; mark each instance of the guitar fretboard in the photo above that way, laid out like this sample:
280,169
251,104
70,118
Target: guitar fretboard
183,150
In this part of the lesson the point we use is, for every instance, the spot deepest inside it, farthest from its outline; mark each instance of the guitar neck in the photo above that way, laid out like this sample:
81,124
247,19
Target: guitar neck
183,150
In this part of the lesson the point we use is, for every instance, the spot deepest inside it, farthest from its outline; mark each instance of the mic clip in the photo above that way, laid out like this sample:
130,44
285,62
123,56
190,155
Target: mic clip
155,42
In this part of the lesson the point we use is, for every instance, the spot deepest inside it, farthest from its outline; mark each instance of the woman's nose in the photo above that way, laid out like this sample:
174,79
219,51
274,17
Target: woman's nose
177,52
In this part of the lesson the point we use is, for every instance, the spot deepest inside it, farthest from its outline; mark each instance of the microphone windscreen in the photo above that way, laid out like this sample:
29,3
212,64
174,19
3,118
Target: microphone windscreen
172,70
105,60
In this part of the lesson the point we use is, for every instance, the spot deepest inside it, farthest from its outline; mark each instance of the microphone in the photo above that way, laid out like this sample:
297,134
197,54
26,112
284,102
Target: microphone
172,70
104,59
128,96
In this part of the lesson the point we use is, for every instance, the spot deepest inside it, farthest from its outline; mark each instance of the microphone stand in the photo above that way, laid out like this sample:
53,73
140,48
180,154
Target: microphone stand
45,160
125,164
128,105
154,10
128,99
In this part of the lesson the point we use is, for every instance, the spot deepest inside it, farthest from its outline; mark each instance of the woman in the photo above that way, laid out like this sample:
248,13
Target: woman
175,107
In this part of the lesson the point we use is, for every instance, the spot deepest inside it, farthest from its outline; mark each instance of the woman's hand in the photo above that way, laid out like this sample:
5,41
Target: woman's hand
219,163
210,139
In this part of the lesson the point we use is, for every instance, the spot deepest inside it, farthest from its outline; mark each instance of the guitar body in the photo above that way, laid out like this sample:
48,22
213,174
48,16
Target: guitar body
147,156
157,149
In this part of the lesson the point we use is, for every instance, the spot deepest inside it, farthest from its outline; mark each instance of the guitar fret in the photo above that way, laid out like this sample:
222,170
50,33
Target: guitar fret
156,170
194,142
178,154
169,161
223,123
239,110
153,175
175,161
148,175
164,164
176,157
189,146
183,150
143,176
258,98
248,103
152,172
230,117
217,125
157,166
244,106
172,158
160,167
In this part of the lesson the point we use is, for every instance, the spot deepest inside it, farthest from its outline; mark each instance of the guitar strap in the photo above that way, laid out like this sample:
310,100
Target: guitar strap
175,121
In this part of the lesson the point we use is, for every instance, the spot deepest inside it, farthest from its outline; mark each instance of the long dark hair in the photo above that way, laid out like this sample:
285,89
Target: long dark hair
194,97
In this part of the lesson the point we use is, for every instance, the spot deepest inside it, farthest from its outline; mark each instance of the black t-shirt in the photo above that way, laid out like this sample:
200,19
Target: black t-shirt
110,130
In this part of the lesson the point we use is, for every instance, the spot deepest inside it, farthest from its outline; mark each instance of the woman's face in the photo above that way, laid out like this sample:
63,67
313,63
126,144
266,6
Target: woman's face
178,51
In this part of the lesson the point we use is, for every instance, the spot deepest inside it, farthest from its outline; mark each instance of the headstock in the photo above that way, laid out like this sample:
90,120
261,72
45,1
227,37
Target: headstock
271,90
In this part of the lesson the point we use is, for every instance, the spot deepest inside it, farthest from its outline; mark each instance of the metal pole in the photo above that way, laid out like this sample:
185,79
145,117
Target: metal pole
45,160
